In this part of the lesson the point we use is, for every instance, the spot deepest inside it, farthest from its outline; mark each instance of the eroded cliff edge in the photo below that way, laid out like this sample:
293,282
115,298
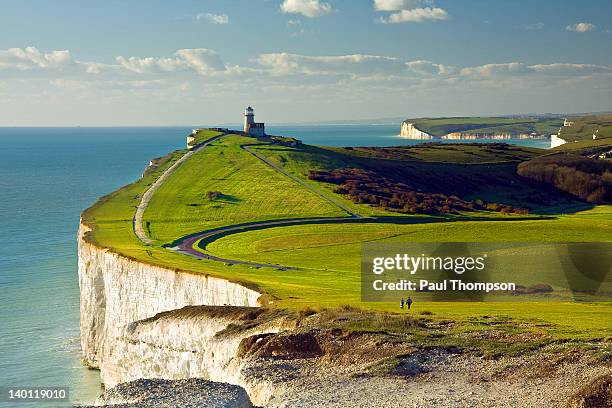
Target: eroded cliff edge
143,321
135,324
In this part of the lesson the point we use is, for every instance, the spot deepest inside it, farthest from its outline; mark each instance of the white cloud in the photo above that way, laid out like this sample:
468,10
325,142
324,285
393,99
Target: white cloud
201,60
409,11
164,87
308,8
417,15
356,64
548,71
489,70
30,58
395,5
424,67
571,69
213,18
581,27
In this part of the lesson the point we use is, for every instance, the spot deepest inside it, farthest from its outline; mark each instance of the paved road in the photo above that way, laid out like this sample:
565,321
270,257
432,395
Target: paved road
146,197
186,244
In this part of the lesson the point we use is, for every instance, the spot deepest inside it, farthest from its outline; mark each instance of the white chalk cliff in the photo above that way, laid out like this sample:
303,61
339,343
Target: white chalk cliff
409,131
556,141
124,335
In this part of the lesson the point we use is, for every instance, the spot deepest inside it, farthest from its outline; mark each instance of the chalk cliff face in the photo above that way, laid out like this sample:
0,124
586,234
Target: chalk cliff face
123,335
409,131
556,141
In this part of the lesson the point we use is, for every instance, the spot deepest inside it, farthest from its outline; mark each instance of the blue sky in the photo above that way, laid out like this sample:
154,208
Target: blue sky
199,62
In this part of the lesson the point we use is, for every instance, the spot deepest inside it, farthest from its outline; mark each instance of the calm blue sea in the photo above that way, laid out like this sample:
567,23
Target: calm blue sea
47,177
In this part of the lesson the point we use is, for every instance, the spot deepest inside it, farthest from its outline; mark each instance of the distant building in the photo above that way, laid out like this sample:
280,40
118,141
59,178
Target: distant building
250,126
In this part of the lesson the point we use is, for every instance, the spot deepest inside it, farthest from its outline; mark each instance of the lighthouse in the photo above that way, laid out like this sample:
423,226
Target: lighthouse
251,127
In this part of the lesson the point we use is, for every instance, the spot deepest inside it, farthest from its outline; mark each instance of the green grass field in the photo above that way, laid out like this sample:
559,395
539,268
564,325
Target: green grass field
337,247
470,171
202,135
250,191
327,253
335,250
443,126
585,126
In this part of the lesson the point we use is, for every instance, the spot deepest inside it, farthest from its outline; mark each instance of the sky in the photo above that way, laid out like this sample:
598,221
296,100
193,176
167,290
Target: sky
191,62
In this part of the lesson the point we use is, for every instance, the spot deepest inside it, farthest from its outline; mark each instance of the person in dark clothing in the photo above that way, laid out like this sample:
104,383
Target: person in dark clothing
402,303
408,302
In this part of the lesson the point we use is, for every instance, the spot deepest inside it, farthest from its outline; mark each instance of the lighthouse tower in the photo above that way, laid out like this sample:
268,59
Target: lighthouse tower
250,126
249,119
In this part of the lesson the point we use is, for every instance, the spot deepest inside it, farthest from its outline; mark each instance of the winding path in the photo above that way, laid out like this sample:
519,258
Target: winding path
146,197
187,244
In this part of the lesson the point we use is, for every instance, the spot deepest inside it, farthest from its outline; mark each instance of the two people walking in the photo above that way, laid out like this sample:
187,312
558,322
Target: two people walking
406,302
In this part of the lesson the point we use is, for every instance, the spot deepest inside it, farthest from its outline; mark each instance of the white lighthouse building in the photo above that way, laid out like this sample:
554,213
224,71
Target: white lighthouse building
252,128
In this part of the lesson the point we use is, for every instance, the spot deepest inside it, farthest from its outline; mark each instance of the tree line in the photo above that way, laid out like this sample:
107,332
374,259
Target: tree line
583,177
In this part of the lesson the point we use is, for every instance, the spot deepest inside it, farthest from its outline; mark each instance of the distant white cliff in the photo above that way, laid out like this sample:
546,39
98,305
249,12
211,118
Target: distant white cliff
556,141
409,131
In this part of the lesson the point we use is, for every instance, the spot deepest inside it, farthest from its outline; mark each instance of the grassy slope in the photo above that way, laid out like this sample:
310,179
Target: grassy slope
337,247
585,126
251,191
467,170
330,255
111,220
442,126
203,135
468,153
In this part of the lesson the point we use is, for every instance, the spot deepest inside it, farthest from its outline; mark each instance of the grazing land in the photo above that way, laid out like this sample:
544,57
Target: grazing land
521,125
456,170
584,127
225,185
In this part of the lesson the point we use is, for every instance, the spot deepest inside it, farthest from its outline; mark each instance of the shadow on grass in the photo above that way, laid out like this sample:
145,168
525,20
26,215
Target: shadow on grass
228,199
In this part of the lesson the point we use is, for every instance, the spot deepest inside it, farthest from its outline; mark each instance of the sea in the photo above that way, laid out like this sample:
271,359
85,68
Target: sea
47,177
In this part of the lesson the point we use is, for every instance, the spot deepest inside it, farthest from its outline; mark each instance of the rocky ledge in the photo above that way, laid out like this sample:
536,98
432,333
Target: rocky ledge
157,393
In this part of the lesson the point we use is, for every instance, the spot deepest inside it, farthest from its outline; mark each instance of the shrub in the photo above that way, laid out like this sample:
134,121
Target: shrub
213,195
368,187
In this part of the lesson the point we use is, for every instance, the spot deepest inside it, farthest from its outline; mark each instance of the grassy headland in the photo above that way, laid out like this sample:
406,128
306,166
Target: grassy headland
250,190
442,126
584,127
246,190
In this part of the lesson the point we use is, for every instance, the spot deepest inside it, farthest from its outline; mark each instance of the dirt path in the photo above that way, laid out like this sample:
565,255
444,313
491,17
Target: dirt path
146,197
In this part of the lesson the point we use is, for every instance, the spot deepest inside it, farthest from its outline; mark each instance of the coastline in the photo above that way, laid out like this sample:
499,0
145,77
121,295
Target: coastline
145,321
